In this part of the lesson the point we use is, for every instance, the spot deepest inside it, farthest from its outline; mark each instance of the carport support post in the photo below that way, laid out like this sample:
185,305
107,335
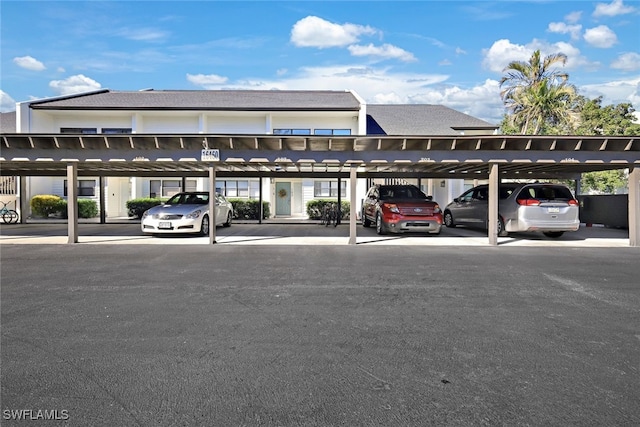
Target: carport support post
212,204
494,183
634,207
352,201
24,202
72,202
103,211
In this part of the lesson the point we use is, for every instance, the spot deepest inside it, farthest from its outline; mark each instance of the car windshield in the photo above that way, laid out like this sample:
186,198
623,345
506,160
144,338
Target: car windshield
189,199
401,192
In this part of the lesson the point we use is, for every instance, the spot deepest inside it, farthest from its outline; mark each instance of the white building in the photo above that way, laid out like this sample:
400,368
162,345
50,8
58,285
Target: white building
232,112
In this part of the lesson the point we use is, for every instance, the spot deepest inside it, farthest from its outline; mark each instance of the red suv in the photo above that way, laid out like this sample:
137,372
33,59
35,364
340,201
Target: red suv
399,209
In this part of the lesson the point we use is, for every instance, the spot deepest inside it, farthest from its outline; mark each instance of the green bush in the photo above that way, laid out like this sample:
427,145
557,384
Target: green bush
137,207
315,208
44,205
87,208
249,209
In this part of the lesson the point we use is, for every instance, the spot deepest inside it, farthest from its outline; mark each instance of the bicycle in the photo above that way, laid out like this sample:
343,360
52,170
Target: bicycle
9,216
329,215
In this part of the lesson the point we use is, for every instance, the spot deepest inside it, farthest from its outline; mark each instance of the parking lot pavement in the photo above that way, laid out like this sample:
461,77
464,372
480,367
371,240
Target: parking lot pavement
302,233
365,335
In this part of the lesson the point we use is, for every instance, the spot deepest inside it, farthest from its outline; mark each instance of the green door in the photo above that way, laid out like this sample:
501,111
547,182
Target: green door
283,198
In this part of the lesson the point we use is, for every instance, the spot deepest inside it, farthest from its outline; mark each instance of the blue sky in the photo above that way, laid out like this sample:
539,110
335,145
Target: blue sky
436,52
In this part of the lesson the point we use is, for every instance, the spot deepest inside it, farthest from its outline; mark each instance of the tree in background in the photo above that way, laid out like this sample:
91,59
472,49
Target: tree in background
538,96
540,101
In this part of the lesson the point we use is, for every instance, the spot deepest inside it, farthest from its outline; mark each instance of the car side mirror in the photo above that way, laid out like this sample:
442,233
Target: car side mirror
457,200
429,198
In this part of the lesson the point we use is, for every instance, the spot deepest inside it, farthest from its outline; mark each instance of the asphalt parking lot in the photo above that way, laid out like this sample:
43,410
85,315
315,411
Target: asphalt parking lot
110,334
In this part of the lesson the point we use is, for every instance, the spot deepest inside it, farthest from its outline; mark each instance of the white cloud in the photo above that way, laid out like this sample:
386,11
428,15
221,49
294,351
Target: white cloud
29,63
614,92
206,80
316,32
563,28
502,52
74,84
600,36
143,34
573,17
629,61
385,51
7,103
612,9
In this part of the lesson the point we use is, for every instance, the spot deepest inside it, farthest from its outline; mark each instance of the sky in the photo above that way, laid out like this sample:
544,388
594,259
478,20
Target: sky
450,53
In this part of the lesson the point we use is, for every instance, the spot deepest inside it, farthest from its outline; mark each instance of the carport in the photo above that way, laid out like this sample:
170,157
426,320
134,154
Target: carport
492,157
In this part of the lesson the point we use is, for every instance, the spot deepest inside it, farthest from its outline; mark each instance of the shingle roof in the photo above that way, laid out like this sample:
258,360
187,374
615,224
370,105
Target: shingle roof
419,119
256,100
8,122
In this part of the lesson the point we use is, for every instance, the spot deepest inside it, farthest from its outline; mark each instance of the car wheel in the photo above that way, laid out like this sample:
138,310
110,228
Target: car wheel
380,227
228,221
365,221
448,220
204,226
554,234
501,231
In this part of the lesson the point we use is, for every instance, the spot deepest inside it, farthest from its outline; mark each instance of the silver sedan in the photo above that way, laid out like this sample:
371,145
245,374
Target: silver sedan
186,213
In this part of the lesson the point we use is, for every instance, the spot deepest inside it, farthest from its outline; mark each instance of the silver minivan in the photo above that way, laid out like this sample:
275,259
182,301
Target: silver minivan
549,208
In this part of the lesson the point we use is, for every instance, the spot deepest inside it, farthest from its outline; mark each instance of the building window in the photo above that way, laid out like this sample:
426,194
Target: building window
85,131
164,188
292,131
239,188
335,132
329,189
86,187
116,131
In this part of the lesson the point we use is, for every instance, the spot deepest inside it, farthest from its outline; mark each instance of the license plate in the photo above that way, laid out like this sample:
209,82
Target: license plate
164,225
553,210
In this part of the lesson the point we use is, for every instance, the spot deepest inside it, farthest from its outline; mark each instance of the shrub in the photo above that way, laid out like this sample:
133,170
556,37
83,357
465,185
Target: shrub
249,209
44,205
87,208
315,208
137,207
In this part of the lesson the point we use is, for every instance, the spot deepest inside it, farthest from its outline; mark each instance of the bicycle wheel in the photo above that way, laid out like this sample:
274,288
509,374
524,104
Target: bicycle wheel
10,216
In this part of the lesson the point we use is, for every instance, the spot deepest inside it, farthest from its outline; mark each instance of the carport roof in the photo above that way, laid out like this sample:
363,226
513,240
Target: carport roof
268,155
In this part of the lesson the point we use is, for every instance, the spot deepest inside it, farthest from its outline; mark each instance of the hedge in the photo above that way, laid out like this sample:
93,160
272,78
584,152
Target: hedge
136,207
249,209
45,205
315,208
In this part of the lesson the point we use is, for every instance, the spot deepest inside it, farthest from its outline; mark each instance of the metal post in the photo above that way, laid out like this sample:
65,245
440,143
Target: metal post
494,183
24,201
352,200
103,211
212,204
339,200
634,207
260,208
72,202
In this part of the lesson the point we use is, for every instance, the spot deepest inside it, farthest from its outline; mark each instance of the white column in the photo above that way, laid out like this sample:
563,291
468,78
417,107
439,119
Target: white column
212,204
634,207
352,201
494,182
72,202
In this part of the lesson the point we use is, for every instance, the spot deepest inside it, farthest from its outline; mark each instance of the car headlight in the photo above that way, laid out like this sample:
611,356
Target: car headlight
145,214
194,214
392,207
436,209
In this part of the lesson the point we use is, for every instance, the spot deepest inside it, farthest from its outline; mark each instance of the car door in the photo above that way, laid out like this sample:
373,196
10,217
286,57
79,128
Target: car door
370,203
461,207
478,206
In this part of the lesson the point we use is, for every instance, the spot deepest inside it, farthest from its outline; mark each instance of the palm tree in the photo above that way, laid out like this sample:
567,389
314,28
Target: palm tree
536,95
543,105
